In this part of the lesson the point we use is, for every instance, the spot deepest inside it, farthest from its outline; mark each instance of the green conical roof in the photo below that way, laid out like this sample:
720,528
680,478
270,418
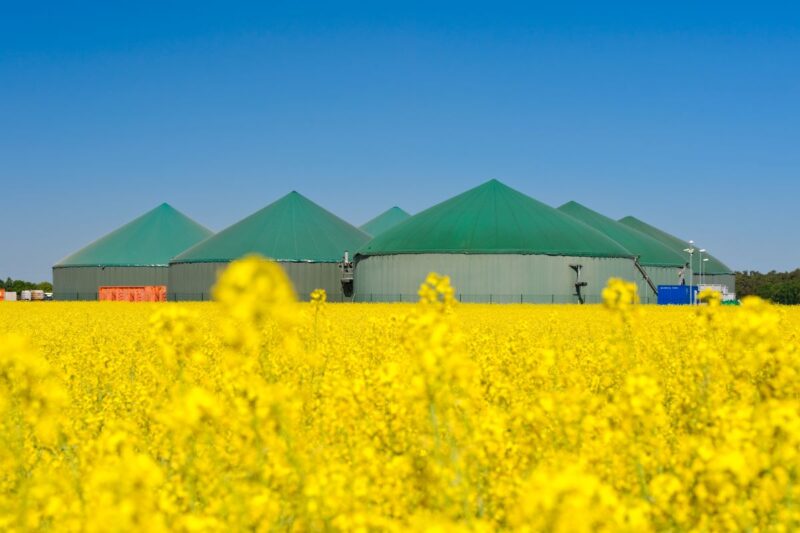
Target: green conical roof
292,228
650,251
713,266
152,239
493,219
388,219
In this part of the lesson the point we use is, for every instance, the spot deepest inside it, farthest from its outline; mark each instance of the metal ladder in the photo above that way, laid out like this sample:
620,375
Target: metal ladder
645,276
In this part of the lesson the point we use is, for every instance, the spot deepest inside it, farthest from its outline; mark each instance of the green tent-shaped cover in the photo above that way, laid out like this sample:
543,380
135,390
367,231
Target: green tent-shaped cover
292,229
150,240
493,219
650,251
386,220
712,267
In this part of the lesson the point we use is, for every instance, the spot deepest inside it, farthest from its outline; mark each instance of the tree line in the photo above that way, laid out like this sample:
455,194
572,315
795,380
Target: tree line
18,285
779,287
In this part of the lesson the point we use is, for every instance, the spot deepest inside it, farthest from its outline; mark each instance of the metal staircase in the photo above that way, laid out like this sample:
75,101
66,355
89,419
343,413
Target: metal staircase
649,281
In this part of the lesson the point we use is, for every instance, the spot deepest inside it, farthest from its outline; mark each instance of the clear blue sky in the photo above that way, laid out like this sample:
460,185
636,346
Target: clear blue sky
685,114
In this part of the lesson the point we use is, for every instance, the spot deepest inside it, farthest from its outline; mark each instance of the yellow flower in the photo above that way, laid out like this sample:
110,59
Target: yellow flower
710,296
620,294
319,296
254,288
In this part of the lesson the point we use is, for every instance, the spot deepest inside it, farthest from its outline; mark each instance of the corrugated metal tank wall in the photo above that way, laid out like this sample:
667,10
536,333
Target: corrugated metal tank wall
492,278
193,281
659,276
82,283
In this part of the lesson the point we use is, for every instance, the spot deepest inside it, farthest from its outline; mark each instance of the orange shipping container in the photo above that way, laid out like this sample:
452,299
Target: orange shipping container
2,294
150,293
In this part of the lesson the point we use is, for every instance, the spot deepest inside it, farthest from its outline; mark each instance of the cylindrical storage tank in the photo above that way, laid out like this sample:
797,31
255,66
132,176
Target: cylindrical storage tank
498,246
136,254
385,221
715,272
308,242
659,262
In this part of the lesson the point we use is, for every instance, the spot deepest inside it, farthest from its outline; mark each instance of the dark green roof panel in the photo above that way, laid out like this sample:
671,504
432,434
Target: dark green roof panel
292,228
152,239
713,266
493,219
386,220
650,251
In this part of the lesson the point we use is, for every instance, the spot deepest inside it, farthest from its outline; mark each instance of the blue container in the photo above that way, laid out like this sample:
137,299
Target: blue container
676,294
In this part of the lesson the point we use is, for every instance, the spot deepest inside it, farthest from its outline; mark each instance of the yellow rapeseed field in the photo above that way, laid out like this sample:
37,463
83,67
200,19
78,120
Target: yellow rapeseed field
257,413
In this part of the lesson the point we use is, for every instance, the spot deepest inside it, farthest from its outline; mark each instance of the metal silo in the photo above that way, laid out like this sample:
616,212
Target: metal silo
385,221
308,241
659,264
497,245
135,255
715,272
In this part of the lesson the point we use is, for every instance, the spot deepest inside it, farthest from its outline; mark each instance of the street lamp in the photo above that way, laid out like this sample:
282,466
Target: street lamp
703,269
690,251
702,251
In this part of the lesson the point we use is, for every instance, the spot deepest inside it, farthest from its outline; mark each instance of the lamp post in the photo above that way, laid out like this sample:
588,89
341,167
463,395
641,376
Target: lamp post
702,251
703,269
690,251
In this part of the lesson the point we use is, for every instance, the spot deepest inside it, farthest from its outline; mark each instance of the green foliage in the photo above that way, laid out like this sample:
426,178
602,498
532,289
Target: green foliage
779,287
18,285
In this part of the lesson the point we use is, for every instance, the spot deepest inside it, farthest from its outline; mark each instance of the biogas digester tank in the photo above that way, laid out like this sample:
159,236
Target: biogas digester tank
497,245
308,241
134,255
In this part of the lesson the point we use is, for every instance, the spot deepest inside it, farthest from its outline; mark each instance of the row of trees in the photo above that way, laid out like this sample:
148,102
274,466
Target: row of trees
780,287
18,285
